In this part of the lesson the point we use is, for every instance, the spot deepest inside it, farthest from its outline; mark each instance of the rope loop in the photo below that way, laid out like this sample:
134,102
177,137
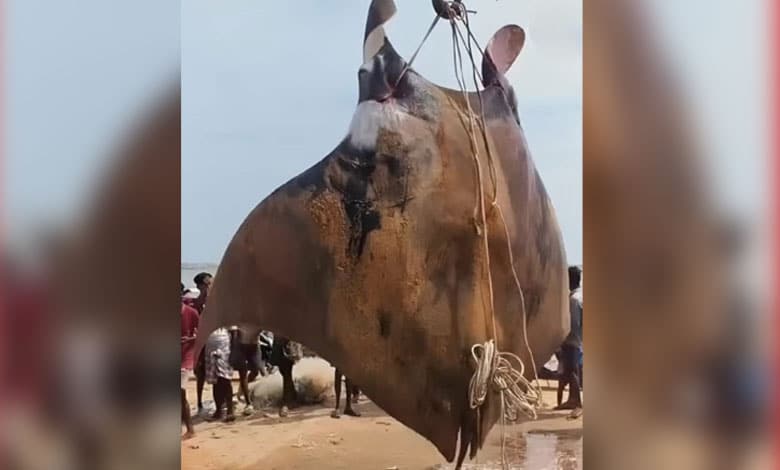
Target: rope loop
494,369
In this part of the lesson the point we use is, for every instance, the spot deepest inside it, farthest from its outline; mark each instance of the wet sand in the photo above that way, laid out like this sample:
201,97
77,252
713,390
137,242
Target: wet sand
310,439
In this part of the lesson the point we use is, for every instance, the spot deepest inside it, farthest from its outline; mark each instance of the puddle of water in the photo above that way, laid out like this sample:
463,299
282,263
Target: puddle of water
561,450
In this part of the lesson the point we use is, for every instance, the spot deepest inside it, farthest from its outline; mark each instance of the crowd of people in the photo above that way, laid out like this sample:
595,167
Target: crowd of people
215,364
224,353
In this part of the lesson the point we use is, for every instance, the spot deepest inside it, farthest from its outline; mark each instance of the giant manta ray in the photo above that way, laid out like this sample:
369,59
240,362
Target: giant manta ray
371,256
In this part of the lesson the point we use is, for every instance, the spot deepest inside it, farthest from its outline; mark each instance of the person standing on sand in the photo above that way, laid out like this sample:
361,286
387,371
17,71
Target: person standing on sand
189,329
203,283
352,395
570,350
218,373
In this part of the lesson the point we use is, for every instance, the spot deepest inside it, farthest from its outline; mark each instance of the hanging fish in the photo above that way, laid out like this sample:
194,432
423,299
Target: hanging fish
371,257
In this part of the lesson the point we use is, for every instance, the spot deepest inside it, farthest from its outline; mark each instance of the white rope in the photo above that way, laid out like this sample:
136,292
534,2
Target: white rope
494,368
503,371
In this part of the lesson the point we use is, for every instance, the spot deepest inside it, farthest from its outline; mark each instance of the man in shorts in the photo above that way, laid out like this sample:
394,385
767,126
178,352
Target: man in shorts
572,345
219,372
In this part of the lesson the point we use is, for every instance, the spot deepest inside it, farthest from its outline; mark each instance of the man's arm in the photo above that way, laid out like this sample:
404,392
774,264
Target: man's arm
195,322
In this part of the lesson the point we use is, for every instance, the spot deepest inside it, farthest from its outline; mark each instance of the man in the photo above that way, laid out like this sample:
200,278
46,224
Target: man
352,395
570,350
218,373
284,355
189,296
247,360
189,329
203,283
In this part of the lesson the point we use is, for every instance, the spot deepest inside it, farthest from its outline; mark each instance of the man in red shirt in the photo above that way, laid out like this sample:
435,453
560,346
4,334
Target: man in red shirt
189,330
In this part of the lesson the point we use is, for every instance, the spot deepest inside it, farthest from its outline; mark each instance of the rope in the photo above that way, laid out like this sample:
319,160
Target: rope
492,367
504,371
417,51
538,391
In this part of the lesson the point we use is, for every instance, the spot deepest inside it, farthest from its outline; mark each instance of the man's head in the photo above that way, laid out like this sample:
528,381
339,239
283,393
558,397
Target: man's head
203,282
575,276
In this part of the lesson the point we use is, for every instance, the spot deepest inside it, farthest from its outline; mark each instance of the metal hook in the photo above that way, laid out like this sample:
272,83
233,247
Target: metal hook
450,9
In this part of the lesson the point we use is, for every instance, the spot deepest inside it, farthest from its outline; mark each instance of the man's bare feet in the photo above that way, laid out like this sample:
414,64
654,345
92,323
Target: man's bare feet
188,435
335,414
230,418
351,412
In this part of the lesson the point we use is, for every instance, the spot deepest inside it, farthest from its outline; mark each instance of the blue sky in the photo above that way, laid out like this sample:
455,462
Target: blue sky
77,76
269,89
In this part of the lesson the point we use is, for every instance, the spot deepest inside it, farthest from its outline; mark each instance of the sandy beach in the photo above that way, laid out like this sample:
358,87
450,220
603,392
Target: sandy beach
310,439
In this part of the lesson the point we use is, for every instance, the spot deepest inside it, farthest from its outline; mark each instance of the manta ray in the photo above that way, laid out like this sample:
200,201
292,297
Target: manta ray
371,256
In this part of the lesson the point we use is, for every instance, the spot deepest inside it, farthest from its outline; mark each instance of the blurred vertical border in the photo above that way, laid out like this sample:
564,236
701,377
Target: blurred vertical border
91,239
676,234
